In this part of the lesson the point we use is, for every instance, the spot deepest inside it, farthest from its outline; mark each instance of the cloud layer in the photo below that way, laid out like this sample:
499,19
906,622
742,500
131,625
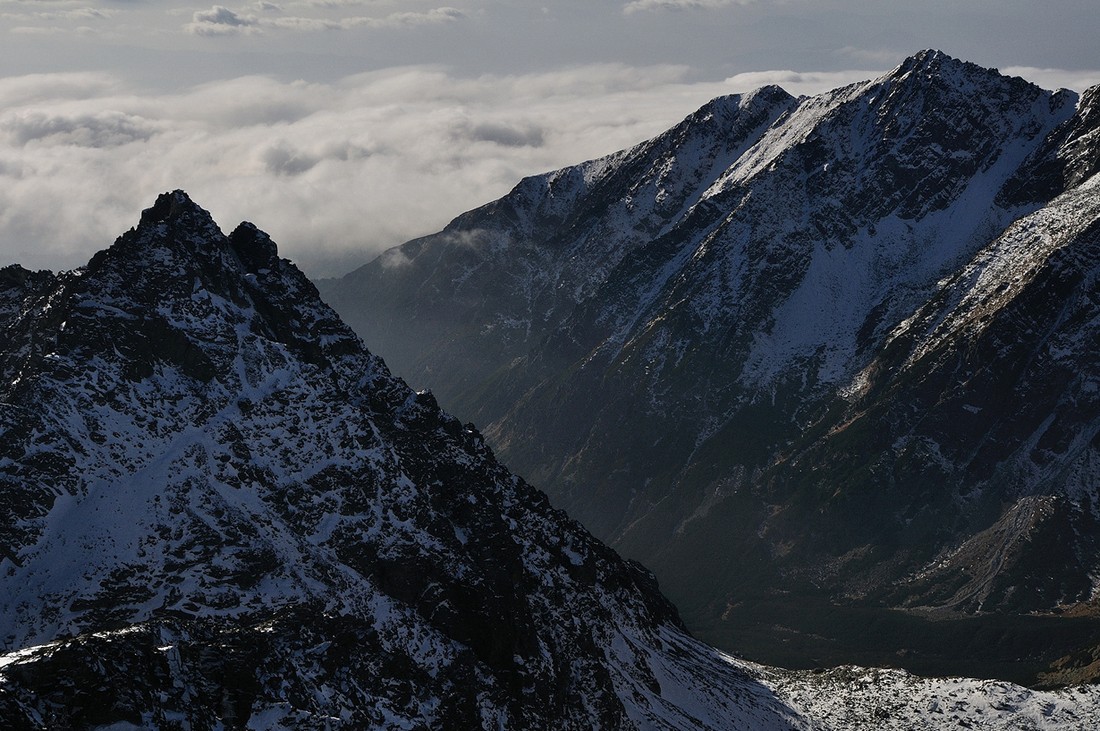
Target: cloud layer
222,21
635,6
336,172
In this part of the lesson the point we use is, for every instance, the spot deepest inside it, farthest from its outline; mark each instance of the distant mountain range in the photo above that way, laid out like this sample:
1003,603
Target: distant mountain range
828,365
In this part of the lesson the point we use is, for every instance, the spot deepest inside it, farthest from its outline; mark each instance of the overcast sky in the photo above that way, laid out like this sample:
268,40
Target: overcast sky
343,127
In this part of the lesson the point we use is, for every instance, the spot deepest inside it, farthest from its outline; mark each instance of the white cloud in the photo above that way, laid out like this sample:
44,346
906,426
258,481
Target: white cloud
221,15
100,129
16,91
1056,78
636,6
81,14
436,15
335,172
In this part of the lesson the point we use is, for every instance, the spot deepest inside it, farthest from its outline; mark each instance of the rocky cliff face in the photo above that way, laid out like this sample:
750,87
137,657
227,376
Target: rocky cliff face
221,511
834,349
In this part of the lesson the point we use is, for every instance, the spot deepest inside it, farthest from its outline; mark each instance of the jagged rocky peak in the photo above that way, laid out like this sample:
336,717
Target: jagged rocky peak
13,277
863,158
253,247
934,65
175,234
15,283
176,206
218,509
932,68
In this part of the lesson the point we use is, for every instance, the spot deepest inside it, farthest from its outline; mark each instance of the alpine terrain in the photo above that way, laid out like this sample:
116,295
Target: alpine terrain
827,364
222,512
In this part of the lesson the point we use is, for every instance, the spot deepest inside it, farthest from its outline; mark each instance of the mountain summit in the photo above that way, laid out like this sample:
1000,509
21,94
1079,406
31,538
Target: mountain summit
829,352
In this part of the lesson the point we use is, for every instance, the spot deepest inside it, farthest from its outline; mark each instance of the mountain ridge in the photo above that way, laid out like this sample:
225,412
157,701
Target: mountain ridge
665,401
221,510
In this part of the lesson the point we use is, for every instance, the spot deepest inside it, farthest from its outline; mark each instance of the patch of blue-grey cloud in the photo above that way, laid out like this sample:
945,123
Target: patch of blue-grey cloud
267,17
100,129
506,134
220,20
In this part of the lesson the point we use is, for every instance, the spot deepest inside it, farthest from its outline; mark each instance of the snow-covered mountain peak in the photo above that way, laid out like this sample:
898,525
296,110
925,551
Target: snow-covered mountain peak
174,222
940,69
177,249
176,206
933,63
166,343
653,344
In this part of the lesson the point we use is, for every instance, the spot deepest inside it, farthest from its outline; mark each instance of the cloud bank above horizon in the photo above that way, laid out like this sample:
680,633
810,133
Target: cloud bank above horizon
344,127
334,172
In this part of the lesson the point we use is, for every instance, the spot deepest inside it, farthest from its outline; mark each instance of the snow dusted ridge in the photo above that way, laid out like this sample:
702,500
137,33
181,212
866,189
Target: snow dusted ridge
834,348
221,511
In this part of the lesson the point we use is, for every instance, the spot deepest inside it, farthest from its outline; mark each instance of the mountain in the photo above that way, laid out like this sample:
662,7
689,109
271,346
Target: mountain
221,511
832,352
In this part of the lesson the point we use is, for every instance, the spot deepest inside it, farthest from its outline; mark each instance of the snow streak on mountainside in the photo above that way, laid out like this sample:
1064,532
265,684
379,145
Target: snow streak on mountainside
221,511
839,349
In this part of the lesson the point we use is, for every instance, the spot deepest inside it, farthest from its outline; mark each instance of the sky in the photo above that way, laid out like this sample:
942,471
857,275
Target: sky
345,127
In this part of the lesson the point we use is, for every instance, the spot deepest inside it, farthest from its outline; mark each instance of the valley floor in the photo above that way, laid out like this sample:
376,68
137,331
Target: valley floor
807,632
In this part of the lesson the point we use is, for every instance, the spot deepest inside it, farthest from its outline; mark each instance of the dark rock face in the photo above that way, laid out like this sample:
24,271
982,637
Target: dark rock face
751,389
221,511
985,402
